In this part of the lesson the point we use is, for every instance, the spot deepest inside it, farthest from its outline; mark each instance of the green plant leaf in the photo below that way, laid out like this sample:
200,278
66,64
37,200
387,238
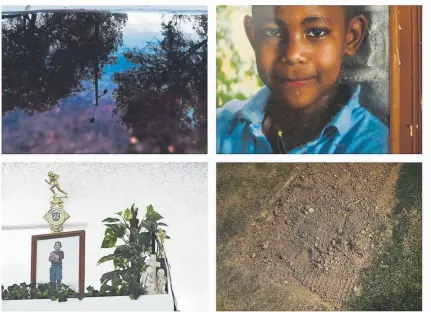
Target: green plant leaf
144,238
161,224
42,287
107,277
111,220
149,209
119,230
153,216
62,297
119,213
109,242
106,258
116,280
132,208
122,249
127,214
110,238
145,224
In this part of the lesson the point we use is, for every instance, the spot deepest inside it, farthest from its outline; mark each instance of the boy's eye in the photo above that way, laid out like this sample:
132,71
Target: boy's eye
272,32
317,32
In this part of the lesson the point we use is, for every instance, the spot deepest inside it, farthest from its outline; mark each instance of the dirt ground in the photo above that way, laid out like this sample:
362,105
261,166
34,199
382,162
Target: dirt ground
316,236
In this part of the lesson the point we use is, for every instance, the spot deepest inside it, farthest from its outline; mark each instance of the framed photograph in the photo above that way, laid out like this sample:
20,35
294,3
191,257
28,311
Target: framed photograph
59,258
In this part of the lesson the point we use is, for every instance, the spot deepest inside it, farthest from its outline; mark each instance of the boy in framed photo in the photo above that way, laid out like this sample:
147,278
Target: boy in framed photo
56,257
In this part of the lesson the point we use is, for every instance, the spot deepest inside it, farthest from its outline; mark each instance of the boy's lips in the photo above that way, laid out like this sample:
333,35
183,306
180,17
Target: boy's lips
295,81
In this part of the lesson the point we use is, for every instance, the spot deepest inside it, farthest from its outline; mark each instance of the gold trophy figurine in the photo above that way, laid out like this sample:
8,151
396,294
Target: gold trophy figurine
53,181
56,215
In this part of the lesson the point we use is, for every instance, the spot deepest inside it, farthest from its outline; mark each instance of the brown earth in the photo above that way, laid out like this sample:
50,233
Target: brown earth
305,244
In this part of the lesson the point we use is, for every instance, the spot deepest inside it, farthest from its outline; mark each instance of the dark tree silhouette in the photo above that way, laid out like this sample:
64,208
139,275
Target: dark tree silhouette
46,55
163,99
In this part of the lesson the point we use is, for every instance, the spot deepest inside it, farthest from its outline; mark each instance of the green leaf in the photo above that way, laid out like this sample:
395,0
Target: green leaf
110,238
162,224
120,263
118,229
62,297
111,220
107,277
144,238
127,214
154,216
150,209
116,281
121,249
106,258
145,224
132,208
41,287
109,242
119,213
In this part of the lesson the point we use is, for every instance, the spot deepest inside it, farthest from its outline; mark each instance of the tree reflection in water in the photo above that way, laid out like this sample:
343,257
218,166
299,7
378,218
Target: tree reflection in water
161,100
47,55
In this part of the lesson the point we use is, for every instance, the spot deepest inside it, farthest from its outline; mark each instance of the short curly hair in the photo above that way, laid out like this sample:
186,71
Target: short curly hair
351,11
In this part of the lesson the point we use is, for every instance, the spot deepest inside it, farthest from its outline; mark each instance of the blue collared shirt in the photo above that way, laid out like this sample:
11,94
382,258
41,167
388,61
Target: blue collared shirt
354,130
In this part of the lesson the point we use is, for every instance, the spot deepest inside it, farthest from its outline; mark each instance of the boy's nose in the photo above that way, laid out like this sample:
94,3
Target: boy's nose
292,51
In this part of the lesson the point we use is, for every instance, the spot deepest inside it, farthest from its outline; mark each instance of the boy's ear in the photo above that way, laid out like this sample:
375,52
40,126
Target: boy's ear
249,29
355,34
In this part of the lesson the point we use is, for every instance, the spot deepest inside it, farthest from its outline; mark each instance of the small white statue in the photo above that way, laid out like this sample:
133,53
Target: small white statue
161,282
149,278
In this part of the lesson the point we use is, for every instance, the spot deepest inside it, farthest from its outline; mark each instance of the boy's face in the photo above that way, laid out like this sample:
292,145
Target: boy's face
57,246
299,49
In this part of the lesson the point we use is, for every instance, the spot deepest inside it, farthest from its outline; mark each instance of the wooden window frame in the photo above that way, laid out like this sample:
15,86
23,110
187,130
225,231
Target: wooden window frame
406,79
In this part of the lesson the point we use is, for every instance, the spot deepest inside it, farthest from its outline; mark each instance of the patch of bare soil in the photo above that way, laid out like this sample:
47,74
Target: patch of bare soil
306,248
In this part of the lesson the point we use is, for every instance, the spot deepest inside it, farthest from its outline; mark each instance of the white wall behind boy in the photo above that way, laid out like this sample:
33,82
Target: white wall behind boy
98,190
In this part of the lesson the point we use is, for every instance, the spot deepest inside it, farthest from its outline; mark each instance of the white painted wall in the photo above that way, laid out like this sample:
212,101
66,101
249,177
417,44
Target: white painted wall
178,191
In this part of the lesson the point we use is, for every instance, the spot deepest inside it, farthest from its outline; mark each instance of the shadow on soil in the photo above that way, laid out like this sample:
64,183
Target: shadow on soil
394,279
241,191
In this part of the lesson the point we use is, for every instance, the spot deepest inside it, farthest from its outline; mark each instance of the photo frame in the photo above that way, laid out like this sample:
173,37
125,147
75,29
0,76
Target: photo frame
59,258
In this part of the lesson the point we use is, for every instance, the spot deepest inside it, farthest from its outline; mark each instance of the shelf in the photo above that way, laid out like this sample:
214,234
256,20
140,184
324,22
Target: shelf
118,303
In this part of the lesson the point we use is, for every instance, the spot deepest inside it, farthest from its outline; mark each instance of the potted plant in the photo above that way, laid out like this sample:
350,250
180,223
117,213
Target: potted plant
129,258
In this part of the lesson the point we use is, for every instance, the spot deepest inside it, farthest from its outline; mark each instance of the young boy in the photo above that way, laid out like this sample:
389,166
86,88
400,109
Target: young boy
56,257
302,108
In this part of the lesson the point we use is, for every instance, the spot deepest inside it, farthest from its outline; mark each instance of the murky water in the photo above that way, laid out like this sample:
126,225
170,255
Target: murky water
86,82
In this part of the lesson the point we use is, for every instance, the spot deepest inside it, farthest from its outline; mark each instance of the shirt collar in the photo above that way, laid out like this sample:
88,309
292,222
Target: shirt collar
254,110
343,119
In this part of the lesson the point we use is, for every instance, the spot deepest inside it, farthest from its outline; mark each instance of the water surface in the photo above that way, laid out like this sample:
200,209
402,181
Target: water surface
87,82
